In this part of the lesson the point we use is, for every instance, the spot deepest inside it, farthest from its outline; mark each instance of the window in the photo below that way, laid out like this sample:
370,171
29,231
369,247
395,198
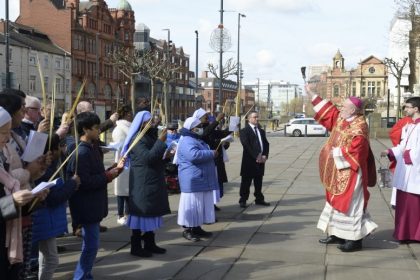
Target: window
58,64
107,91
32,60
93,24
78,43
46,61
32,83
336,90
107,28
91,90
58,86
46,83
67,64
371,89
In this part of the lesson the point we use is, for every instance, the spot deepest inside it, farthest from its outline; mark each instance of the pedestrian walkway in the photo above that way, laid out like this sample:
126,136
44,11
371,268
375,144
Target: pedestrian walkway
275,242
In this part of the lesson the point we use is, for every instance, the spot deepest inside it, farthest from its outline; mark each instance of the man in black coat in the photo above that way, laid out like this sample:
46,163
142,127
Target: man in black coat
254,156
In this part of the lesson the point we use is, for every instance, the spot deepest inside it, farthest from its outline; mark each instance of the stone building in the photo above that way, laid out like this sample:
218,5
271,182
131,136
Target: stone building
89,31
27,46
369,80
181,94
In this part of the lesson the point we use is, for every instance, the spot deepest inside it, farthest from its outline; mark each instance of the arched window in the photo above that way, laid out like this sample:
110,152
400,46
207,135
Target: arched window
77,86
91,90
336,90
107,91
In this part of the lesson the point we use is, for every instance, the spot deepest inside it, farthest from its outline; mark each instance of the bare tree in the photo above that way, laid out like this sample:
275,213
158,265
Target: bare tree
127,64
228,69
396,68
166,75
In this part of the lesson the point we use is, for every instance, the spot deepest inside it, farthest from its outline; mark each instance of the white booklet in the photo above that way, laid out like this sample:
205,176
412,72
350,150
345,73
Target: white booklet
234,123
35,146
46,185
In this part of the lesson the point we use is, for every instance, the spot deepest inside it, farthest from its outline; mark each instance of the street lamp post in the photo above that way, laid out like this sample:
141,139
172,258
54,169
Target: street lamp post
168,59
238,71
6,29
221,55
196,62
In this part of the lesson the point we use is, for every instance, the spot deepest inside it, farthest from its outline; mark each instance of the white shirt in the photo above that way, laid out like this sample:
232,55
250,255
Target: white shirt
258,134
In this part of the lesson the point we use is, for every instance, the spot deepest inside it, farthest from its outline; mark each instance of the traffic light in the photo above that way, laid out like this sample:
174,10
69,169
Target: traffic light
241,74
170,45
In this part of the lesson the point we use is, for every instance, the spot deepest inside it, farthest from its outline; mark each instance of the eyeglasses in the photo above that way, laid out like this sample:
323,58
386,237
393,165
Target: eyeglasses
33,108
408,107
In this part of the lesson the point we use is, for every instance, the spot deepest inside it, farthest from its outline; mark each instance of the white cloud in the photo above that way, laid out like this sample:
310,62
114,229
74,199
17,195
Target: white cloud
321,51
205,26
265,59
280,6
13,9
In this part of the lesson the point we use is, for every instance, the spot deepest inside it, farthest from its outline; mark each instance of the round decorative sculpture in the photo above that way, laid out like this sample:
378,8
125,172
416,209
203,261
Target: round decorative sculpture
220,39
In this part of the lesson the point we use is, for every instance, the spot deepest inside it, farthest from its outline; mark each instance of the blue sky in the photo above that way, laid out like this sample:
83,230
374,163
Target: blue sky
277,36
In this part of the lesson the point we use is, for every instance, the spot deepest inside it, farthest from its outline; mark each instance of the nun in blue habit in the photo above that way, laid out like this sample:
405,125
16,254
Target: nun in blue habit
148,197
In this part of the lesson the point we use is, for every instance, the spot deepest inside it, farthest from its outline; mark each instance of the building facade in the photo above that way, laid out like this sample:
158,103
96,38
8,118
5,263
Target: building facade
369,80
90,32
210,93
27,47
181,94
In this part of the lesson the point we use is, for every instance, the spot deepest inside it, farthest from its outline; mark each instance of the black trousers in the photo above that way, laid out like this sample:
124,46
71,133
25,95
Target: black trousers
245,186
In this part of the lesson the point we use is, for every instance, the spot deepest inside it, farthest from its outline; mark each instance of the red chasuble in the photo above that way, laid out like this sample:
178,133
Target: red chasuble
353,140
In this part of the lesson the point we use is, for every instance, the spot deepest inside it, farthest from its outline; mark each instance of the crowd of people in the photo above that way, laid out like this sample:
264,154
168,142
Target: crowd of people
150,156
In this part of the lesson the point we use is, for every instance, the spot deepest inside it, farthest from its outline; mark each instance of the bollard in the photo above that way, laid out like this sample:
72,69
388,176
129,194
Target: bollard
285,130
306,130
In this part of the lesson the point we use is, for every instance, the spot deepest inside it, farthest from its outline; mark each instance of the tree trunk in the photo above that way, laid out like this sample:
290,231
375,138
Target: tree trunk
398,99
165,103
152,95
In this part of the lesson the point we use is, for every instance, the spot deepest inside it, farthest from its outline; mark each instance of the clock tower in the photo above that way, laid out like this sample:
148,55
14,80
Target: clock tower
338,61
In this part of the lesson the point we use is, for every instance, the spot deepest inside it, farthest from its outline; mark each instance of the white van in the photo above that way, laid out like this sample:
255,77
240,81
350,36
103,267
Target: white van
300,126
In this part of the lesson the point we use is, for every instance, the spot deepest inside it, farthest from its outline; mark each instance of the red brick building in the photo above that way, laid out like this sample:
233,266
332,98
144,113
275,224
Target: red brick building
210,92
90,31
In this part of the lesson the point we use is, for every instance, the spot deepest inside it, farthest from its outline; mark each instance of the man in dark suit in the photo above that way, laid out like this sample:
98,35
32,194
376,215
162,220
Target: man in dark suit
254,156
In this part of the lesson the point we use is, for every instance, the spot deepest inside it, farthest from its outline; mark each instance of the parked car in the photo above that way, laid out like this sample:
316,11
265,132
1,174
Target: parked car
300,115
296,127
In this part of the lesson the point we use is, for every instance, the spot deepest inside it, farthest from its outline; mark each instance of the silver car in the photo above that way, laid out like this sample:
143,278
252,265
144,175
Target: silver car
305,126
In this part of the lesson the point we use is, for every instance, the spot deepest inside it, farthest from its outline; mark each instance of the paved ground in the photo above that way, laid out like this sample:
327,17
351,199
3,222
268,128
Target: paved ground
276,242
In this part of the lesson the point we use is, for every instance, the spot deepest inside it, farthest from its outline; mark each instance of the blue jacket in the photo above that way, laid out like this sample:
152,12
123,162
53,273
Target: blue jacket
196,168
51,220
89,204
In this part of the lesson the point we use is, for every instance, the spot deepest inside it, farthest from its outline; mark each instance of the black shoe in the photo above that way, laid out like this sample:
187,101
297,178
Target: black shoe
262,202
189,235
242,204
198,231
102,228
216,208
150,243
351,246
136,248
61,249
332,239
